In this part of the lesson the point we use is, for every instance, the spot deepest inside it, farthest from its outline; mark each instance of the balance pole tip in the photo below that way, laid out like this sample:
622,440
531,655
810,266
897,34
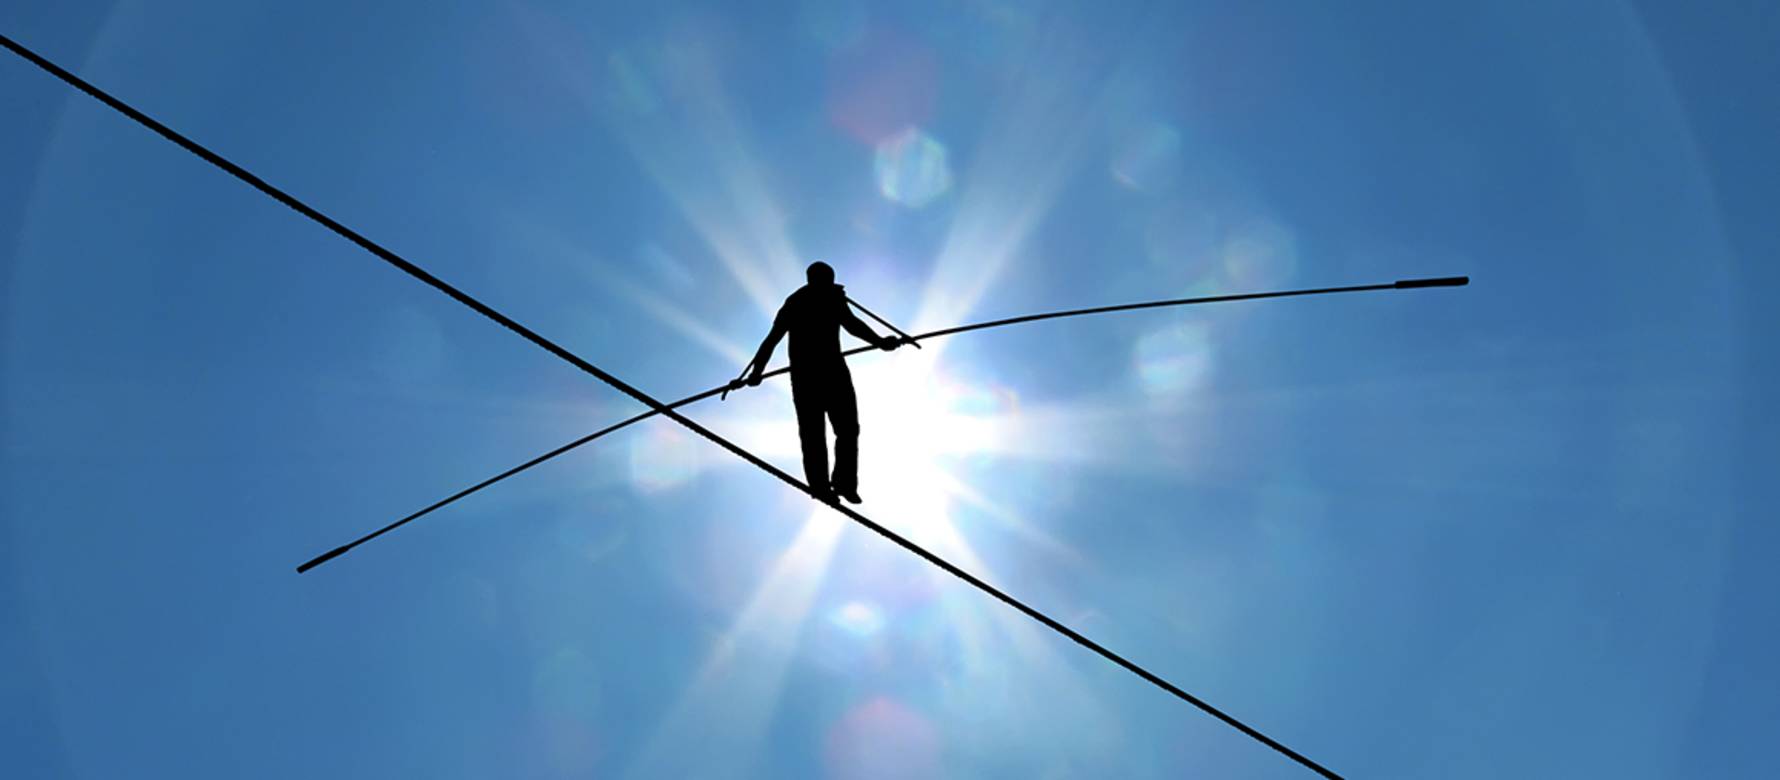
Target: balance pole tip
324,558
1442,281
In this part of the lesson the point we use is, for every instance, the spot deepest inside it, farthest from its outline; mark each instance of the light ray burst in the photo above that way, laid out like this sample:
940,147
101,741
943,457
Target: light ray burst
1034,141
727,707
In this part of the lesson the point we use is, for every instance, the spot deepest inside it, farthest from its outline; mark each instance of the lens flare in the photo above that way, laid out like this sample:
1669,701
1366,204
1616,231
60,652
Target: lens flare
662,457
882,85
912,168
1174,360
1148,158
882,739
858,618
562,746
1260,254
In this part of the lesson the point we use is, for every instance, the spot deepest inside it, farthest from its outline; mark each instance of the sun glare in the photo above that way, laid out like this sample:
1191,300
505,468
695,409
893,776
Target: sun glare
920,427
912,433
916,425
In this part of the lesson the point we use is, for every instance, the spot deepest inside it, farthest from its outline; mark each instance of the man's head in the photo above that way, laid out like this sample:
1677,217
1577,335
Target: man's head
819,274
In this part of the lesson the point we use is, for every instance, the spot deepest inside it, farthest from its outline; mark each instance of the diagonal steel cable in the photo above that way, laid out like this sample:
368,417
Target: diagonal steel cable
432,281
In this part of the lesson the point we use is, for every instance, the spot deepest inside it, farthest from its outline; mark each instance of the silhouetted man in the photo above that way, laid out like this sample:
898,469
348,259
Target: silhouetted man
820,384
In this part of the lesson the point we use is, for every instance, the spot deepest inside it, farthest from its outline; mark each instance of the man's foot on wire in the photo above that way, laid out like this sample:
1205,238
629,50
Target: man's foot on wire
825,495
852,496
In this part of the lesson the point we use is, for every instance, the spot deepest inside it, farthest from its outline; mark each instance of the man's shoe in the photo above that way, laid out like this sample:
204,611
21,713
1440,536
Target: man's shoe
825,495
852,496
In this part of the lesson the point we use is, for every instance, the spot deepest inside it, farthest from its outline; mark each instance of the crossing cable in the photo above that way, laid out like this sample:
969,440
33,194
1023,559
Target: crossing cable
432,281
1403,284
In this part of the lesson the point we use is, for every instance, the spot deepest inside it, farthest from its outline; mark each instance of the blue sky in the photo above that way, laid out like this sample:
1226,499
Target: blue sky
1521,529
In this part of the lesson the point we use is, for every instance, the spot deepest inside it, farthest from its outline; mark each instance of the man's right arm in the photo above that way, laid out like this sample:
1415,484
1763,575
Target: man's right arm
765,353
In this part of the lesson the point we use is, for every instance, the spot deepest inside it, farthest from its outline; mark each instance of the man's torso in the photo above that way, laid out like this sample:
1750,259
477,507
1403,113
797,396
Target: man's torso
812,319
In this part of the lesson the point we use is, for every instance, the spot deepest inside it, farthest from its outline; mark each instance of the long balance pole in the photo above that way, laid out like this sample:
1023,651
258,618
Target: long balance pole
881,321
1404,284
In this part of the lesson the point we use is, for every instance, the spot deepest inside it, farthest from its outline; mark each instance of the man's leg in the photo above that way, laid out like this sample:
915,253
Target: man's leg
812,434
843,414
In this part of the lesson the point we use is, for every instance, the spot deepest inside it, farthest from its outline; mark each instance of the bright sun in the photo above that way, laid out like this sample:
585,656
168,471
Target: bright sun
912,432
915,425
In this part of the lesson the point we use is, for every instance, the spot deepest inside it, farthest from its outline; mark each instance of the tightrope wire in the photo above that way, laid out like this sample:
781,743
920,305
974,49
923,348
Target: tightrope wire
658,407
